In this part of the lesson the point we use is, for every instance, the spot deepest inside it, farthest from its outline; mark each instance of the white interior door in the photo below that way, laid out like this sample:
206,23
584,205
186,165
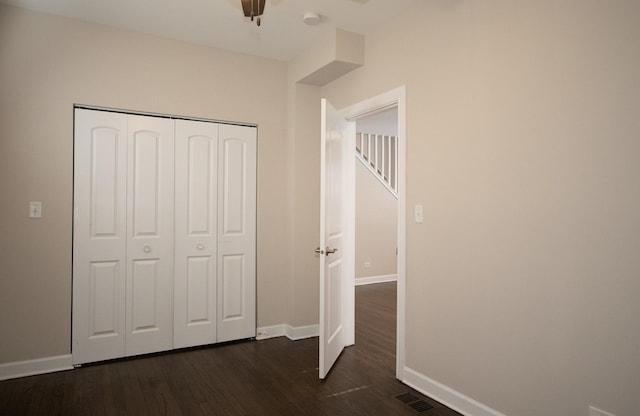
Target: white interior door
99,235
150,235
196,235
236,232
336,135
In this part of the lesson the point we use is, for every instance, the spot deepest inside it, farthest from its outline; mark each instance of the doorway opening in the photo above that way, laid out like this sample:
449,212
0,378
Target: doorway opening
388,110
337,224
376,211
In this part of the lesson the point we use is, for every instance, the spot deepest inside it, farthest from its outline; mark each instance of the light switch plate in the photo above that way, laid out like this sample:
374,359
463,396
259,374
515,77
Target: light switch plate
35,209
419,214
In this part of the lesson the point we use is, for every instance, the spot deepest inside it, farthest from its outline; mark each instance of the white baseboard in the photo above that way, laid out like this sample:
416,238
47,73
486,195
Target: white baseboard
32,367
376,279
291,332
301,332
594,411
266,332
446,395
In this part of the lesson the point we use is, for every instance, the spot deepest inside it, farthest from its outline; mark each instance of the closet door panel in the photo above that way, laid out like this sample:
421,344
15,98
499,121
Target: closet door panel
104,295
200,306
233,278
144,281
196,233
150,235
147,196
237,228
99,235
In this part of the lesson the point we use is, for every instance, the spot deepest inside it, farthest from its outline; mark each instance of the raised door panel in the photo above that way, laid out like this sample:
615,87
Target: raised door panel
233,278
99,236
104,312
196,233
150,235
237,232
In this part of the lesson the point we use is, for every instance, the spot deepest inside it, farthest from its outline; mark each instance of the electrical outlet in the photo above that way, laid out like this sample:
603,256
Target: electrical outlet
593,411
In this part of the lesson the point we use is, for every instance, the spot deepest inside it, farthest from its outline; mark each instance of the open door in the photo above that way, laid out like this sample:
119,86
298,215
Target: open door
335,286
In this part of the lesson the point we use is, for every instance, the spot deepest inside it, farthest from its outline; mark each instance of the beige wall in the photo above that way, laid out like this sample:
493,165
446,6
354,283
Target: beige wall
304,163
523,145
376,226
50,63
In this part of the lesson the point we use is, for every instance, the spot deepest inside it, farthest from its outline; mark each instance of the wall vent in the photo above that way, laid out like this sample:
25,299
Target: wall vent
414,402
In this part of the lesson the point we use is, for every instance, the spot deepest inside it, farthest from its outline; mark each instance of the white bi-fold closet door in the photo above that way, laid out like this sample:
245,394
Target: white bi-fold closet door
164,234
215,233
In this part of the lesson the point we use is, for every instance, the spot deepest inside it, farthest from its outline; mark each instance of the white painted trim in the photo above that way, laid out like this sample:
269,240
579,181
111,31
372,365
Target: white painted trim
349,241
273,331
401,166
302,332
376,279
291,332
446,395
594,411
33,367
373,105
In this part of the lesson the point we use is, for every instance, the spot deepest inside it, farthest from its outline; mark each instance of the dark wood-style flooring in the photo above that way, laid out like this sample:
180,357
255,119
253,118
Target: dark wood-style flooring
269,377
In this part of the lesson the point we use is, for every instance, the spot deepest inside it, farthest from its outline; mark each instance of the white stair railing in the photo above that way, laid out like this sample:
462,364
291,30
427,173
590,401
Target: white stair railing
379,153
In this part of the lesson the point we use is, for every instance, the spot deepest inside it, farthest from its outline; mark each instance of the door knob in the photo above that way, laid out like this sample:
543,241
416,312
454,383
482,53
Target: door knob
147,249
200,246
326,251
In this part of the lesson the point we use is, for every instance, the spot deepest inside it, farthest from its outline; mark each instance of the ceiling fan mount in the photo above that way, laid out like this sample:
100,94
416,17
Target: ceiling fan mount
253,9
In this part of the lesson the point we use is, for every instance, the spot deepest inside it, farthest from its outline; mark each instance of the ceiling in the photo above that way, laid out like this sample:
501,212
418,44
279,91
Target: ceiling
221,23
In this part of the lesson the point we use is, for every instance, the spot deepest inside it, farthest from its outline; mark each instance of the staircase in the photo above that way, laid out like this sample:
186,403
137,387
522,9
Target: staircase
379,153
